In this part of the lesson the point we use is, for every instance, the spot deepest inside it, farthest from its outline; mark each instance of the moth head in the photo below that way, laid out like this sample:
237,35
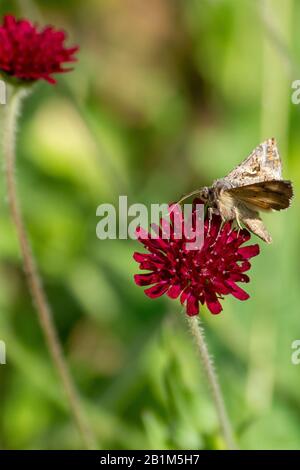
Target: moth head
206,194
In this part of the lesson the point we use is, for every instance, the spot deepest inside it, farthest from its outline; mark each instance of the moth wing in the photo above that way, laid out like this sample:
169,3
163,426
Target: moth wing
254,223
263,164
251,219
266,195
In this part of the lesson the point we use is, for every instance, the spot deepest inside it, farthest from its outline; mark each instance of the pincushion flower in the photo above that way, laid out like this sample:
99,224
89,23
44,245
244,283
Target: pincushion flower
27,55
30,55
202,276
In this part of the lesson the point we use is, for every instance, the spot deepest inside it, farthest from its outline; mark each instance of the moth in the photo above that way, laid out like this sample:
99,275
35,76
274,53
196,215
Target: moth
253,186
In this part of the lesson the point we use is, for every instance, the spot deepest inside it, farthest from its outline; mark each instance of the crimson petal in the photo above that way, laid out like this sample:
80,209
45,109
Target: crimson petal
237,292
157,290
249,251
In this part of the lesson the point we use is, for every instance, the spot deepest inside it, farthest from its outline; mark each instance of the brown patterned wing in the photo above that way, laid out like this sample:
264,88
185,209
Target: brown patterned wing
263,164
265,196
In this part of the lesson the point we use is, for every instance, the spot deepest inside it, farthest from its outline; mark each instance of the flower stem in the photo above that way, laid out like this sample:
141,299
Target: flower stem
225,425
32,275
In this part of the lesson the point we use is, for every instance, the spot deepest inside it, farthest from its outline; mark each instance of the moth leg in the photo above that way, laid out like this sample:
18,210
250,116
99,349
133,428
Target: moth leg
211,212
238,220
221,227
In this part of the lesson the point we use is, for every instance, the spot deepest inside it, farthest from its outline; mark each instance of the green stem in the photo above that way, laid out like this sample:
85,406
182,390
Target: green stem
32,275
225,425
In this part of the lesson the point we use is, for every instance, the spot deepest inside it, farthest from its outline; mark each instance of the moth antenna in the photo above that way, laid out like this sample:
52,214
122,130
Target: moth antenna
193,193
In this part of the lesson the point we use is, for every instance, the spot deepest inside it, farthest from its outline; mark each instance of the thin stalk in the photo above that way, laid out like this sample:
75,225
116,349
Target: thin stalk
32,275
207,364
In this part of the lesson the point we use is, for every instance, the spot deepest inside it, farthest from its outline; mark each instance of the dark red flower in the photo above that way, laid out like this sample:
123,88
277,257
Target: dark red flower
204,275
28,54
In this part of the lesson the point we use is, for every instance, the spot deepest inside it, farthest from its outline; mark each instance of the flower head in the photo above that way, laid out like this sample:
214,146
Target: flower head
28,54
198,276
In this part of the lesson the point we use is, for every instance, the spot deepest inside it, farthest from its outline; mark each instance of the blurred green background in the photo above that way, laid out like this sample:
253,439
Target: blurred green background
167,95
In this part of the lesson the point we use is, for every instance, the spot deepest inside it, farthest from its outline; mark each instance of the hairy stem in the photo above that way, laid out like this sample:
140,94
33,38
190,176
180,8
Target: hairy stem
32,275
225,425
